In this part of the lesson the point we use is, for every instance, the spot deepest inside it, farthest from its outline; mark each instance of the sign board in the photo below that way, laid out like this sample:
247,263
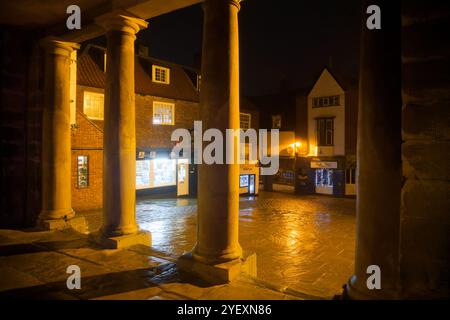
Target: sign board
324,164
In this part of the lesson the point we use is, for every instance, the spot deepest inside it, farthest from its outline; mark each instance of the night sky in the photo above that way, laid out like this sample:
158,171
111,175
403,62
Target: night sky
283,39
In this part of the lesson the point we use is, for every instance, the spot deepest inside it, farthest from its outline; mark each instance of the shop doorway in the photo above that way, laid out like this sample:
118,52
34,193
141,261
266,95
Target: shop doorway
183,177
251,184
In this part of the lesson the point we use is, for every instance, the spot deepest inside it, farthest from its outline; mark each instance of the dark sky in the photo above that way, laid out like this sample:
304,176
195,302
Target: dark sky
291,39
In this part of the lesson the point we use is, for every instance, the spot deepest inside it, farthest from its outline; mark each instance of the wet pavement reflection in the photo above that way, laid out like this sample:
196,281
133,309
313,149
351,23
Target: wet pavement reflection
305,243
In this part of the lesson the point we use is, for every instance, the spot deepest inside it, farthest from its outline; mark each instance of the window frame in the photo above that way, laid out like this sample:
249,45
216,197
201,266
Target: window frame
87,172
87,92
168,104
249,120
247,178
276,117
326,101
167,74
350,176
322,136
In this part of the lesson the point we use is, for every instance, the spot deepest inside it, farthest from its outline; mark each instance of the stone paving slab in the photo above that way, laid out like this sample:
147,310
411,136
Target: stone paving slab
304,246
36,269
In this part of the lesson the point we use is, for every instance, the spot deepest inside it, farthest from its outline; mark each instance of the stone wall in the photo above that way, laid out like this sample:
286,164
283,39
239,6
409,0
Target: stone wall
20,127
425,207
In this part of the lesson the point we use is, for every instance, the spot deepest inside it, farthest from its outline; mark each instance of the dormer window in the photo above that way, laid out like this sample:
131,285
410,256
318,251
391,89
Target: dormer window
160,74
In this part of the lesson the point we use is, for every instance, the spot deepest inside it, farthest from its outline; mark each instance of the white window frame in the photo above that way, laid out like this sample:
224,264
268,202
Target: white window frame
166,104
166,70
99,94
85,162
249,115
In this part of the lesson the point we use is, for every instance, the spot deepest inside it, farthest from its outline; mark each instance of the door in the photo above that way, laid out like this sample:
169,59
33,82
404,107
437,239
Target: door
324,181
183,177
251,184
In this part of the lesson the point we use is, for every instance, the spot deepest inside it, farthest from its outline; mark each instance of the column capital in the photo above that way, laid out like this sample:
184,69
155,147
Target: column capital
236,3
121,21
57,46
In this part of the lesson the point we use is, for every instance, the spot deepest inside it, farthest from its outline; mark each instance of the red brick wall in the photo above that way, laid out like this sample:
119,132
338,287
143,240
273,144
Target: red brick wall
87,140
92,196
158,136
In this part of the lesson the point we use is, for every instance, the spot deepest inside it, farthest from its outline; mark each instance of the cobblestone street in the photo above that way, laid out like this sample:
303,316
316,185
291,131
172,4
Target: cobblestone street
304,243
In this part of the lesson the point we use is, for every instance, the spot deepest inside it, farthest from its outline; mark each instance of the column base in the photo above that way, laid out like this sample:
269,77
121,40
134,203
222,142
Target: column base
220,273
76,223
352,293
120,242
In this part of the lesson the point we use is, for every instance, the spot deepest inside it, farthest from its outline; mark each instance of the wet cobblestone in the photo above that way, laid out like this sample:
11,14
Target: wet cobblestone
305,243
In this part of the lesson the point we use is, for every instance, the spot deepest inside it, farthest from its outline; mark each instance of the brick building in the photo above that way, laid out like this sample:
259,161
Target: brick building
167,98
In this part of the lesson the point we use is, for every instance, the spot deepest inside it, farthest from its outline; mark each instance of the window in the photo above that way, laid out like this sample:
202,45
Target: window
160,74
156,173
243,182
245,120
93,105
82,172
329,101
350,176
324,177
325,131
163,113
276,122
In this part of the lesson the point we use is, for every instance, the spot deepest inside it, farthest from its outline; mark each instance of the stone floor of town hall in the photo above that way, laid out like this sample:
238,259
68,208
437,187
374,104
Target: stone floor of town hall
304,246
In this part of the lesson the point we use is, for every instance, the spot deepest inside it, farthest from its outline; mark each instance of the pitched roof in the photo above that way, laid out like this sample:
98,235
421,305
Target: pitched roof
182,79
345,82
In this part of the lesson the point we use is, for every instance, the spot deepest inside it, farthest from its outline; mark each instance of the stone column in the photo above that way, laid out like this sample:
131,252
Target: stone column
218,184
119,143
379,158
56,147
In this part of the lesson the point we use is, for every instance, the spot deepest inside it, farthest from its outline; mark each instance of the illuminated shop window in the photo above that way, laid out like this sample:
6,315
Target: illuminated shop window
156,173
164,172
93,105
163,113
243,181
245,120
160,74
142,174
324,177
82,171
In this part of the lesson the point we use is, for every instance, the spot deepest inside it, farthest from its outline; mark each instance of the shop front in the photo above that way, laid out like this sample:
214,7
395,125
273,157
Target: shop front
328,176
158,173
249,179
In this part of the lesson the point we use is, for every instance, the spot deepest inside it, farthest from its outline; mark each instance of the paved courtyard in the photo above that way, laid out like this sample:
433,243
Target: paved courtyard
304,247
306,243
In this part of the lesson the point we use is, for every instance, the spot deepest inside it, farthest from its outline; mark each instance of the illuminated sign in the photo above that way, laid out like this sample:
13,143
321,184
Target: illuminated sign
324,164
